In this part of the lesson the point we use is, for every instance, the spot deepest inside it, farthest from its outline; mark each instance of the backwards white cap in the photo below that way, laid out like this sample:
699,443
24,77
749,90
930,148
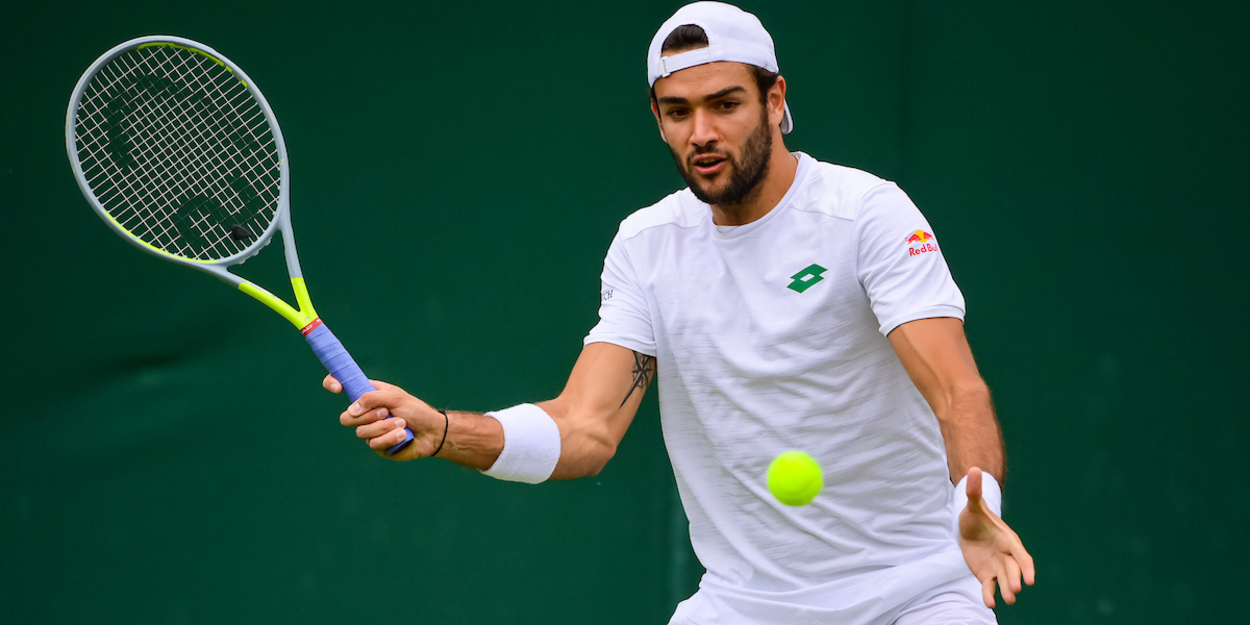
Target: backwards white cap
732,35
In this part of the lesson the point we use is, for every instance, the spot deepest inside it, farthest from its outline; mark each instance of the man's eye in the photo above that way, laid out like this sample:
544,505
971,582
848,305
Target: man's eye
728,105
677,113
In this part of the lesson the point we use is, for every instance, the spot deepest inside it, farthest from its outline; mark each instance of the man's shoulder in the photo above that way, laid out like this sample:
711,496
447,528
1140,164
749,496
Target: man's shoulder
837,190
679,209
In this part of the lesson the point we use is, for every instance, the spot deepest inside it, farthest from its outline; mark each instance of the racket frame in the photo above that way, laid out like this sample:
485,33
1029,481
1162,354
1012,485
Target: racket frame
305,314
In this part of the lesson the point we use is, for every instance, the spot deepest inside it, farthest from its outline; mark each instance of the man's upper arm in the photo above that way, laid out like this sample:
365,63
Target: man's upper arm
608,380
937,357
616,365
612,373
597,405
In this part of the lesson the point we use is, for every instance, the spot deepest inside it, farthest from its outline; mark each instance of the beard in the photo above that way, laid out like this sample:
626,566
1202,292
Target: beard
748,168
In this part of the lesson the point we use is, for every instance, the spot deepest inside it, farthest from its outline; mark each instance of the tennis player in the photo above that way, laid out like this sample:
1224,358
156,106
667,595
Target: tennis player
783,303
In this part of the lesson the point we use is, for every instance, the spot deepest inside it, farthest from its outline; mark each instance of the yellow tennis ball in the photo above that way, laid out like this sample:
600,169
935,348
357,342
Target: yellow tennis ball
794,478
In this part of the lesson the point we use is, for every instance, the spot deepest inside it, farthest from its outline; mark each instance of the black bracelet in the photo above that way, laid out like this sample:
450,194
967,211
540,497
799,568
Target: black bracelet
446,426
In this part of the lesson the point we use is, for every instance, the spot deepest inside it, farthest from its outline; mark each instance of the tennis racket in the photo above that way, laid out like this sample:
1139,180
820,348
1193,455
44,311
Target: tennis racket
178,152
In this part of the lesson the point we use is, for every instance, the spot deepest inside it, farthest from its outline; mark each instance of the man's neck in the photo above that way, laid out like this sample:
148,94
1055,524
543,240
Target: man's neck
782,167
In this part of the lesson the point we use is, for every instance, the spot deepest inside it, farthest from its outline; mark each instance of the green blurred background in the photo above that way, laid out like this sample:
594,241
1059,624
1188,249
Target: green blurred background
167,455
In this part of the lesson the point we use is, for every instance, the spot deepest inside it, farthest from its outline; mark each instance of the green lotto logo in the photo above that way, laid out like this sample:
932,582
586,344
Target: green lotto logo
804,279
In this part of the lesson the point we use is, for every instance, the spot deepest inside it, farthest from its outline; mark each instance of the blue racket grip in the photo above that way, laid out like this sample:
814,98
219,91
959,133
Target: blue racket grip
339,363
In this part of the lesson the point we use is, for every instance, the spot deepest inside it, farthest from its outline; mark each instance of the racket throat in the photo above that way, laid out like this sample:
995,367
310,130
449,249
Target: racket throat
301,297
304,318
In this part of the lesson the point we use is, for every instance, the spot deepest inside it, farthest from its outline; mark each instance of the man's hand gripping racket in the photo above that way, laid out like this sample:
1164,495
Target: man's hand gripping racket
178,152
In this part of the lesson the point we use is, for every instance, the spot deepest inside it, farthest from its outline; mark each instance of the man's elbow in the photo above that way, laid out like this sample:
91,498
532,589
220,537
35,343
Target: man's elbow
964,398
599,461
585,453
972,388
602,446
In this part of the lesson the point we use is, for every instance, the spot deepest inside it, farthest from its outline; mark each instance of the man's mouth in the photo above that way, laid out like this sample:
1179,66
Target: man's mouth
708,164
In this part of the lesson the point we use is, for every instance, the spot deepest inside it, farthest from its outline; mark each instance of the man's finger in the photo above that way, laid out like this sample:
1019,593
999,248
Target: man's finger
379,428
388,440
974,483
350,420
377,399
1004,585
987,592
331,384
1022,556
1013,575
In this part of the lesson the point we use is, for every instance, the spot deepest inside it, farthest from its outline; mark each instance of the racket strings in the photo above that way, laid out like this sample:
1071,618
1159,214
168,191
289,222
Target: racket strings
178,152
181,148
199,222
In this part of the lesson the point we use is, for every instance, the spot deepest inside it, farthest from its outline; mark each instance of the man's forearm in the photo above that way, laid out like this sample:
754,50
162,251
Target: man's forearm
591,416
936,355
971,433
473,440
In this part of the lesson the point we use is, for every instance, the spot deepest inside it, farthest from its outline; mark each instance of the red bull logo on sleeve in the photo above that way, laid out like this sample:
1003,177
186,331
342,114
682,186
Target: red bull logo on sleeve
921,242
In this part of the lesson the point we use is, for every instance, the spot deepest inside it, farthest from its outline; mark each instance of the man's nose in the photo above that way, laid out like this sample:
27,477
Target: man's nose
704,131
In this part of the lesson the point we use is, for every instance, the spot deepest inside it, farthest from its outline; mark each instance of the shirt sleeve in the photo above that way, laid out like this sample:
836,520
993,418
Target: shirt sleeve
900,262
624,318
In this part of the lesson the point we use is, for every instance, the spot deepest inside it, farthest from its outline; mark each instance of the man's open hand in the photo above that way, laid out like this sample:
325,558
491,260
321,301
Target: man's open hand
993,551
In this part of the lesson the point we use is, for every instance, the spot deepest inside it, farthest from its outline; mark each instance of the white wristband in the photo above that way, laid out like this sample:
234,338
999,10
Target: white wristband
991,493
531,445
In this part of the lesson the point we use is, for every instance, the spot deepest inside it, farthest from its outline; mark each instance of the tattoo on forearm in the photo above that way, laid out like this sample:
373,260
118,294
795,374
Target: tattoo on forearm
644,371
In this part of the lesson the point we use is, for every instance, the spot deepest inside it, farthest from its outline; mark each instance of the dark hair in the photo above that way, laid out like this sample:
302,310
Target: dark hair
684,38
690,36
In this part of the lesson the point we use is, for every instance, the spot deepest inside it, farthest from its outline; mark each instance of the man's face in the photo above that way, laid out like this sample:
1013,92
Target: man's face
717,129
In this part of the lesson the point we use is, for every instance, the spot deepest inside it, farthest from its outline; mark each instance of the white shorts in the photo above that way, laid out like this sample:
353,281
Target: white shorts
957,603
948,594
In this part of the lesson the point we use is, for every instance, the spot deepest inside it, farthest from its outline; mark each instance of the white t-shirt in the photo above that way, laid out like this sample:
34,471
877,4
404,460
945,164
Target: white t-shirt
771,336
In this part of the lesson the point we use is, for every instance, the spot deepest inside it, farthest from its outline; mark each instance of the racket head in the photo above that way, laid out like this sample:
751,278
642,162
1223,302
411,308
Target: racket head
178,151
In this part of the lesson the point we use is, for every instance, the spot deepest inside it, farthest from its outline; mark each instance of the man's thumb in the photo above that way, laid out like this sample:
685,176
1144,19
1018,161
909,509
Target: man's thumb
974,484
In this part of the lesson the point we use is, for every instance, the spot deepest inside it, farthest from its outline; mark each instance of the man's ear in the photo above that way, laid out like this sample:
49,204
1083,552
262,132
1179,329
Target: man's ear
777,100
655,110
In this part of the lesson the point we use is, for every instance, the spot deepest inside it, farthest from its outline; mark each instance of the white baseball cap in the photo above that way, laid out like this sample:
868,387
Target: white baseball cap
732,35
